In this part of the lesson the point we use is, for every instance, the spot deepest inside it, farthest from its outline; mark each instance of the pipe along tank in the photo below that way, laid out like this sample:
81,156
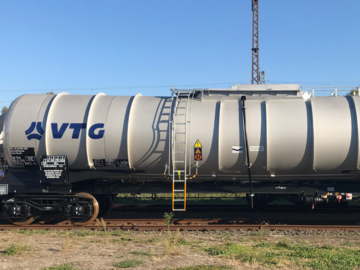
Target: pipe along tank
195,137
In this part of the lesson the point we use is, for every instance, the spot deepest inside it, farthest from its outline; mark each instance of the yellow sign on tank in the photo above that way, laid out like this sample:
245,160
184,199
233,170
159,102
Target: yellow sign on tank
197,144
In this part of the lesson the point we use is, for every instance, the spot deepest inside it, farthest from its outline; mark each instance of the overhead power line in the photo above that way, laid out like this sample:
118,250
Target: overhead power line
108,88
117,87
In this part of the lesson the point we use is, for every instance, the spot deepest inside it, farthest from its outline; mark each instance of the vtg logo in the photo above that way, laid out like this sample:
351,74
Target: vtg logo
32,128
94,132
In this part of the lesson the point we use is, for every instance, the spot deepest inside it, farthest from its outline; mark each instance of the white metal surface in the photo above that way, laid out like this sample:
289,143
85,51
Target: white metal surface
289,136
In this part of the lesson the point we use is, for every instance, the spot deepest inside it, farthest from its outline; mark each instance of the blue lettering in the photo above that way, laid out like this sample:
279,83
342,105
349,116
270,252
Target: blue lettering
77,127
92,129
94,132
57,134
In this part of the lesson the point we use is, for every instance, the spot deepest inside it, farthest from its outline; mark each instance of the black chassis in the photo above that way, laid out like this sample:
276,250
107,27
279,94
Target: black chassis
28,181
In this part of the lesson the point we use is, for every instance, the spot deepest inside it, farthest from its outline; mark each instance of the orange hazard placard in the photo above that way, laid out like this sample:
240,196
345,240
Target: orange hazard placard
198,153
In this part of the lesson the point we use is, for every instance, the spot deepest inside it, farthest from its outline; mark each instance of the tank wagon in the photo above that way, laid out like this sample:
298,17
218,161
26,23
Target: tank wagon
66,155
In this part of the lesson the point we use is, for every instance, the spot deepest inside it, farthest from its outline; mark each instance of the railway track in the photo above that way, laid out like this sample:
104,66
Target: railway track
232,207
183,225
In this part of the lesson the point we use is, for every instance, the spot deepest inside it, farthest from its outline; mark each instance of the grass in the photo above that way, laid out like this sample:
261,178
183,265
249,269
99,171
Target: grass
128,264
203,267
141,253
153,240
65,266
16,249
263,244
83,233
185,242
226,249
286,254
32,232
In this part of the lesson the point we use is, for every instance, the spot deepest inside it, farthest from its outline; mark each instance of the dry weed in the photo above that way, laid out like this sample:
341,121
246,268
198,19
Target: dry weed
232,262
177,253
102,225
157,258
170,242
151,250
66,244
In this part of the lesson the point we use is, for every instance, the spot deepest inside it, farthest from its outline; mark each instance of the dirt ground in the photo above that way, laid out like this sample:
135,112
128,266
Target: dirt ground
155,250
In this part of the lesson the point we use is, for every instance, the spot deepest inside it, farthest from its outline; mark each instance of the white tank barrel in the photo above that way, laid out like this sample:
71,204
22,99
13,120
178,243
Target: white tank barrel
287,134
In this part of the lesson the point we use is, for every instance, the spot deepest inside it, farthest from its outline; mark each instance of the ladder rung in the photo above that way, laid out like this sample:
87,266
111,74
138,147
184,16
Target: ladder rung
179,210
178,190
179,123
178,200
182,181
180,142
179,152
179,170
179,161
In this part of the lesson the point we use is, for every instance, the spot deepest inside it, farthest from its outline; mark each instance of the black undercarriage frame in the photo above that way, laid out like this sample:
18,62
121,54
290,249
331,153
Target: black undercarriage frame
27,182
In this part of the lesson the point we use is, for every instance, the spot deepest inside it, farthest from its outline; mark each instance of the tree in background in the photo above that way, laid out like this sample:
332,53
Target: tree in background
4,110
354,92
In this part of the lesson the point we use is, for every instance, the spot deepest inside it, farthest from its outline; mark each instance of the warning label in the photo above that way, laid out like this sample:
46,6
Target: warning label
23,156
197,144
54,169
53,161
102,163
257,148
53,173
198,153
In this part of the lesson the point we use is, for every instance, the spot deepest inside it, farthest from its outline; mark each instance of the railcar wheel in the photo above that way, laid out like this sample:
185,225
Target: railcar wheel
22,222
105,205
95,210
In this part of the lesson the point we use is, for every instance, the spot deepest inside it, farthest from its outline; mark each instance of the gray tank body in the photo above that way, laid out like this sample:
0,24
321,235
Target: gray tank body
290,137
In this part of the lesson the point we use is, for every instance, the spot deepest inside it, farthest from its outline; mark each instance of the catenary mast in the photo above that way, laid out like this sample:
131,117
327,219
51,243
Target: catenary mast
255,72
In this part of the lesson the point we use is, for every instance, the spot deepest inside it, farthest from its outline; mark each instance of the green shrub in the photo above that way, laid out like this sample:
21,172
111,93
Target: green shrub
128,264
16,249
65,266
204,267
263,245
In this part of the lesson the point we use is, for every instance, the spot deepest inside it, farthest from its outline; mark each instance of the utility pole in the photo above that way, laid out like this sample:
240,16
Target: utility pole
262,77
255,72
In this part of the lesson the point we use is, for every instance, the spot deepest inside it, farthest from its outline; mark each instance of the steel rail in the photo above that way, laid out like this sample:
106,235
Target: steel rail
239,207
183,225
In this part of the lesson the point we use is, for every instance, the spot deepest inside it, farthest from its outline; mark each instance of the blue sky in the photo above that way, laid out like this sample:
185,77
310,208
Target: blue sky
145,46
